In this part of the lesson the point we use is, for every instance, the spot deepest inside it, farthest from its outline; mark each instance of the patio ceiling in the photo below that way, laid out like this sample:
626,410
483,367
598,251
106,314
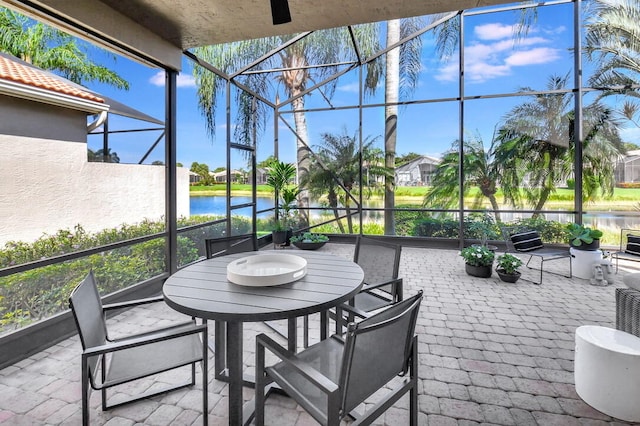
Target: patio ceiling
199,23
183,24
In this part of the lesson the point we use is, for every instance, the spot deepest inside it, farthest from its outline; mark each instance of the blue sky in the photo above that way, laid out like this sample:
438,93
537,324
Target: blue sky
493,65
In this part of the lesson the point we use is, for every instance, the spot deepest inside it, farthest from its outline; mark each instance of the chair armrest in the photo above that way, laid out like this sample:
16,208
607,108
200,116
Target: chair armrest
353,310
145,339
397,281
396,286
288,357
130,303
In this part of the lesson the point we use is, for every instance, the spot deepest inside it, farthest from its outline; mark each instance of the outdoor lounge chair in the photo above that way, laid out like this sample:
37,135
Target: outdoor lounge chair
528,242
333,377
380,262
629,246
107,363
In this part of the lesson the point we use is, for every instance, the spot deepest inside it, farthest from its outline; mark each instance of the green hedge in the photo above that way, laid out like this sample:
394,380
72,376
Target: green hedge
39,293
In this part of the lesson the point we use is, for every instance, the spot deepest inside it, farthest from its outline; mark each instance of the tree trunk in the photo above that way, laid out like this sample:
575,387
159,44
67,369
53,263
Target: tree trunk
544,195
392,88
495,206
333,202
302,156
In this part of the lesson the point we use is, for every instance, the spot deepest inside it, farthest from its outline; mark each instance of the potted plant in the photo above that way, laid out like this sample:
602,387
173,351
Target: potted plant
483,227
280,175
478,261
507,267
583,238
309,240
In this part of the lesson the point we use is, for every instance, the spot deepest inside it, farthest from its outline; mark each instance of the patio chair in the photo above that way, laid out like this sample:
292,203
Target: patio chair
380,262
528,242
228,245
333,377
111,362
629,246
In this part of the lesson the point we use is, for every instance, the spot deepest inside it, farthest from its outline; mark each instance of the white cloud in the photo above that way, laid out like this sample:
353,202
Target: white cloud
448,73
349,88
538,55
495,31
494,54
183,80
157,79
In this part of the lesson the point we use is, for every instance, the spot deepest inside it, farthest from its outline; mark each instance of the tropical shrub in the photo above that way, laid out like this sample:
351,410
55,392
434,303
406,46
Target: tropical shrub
432,227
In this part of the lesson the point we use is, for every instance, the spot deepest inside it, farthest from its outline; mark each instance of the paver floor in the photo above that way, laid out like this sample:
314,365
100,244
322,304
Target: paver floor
489,353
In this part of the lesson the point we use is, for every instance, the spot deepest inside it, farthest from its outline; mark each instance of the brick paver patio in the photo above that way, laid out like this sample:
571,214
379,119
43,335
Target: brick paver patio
489,353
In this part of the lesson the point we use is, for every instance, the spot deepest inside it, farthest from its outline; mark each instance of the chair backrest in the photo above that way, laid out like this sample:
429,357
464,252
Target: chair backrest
228,245
522,240
86,306
379,260
630,240
376,350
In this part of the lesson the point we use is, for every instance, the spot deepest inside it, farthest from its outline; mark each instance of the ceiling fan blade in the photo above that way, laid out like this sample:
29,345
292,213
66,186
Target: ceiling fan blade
280,12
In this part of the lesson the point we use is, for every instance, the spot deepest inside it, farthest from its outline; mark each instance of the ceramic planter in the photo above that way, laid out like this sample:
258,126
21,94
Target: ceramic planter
308,246
281,237
478,271
508,278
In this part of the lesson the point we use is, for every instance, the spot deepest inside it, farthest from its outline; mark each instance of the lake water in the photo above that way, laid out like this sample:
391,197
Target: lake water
217,205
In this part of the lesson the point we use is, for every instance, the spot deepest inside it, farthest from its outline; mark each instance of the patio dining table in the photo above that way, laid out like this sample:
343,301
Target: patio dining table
202,290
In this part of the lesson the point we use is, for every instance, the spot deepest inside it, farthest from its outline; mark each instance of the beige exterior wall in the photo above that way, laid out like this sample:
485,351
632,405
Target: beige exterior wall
47,185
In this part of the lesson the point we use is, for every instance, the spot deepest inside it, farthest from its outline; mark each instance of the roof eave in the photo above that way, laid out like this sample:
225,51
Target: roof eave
18,90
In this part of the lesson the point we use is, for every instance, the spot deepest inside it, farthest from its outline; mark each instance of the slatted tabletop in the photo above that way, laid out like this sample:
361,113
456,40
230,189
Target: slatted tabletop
202,289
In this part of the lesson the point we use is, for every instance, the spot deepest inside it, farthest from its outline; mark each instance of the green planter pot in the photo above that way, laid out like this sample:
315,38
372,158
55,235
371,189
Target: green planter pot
478,271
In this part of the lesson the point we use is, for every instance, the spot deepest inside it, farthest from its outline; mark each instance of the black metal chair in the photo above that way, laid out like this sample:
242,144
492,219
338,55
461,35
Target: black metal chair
629,246
333,377
228,245
380,262
528,242
107,363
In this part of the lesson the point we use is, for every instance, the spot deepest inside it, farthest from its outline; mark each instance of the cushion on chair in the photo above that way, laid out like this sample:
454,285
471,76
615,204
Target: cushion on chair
633,244
527,241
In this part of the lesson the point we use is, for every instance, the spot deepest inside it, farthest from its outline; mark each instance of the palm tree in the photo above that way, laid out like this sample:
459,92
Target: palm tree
536,146
613,42
480,170
51,49
296,72
402,73
612,38
335,171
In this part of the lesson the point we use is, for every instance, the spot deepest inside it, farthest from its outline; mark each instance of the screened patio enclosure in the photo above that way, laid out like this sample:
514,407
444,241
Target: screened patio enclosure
501,96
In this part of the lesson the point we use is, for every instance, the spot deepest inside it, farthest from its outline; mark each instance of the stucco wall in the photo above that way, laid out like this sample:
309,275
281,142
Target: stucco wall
47,185
20,117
